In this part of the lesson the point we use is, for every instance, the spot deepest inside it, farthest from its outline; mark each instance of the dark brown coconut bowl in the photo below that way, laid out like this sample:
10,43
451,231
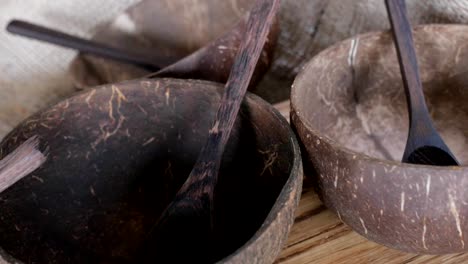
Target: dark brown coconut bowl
349,109
116,156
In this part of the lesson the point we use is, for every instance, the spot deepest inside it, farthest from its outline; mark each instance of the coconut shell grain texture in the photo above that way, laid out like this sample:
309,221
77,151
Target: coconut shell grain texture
178,27
117,154
349,110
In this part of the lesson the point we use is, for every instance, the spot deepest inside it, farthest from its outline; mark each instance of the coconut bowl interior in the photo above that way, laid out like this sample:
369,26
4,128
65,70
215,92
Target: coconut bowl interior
117,154
349,109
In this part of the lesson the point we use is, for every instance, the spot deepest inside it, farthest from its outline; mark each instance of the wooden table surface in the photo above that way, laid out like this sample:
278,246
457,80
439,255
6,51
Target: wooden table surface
318,236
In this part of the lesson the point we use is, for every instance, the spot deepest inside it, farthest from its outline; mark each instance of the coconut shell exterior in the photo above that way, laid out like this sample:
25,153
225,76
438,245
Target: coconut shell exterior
117,155
349,110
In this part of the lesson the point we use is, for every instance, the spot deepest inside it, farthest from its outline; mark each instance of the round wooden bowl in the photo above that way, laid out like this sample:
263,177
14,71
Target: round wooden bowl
117,154
349,110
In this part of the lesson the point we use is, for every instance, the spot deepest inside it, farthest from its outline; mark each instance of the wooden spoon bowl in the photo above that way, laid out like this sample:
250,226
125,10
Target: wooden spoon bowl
350,112
117,155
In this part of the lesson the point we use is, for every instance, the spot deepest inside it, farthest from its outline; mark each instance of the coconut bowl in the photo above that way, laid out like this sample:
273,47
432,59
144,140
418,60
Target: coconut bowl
350,113
116,156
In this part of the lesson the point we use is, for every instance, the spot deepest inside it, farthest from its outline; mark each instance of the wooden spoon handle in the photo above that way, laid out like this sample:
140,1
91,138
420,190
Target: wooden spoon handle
408,62
37,32
258,25
20,162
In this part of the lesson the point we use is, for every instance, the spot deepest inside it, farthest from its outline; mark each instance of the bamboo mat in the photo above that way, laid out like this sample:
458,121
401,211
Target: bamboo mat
318,236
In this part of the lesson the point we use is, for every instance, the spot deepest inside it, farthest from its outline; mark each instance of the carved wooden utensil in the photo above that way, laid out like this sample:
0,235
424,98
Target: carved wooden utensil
211,62
214,61
20,162
424,145
38,32
187,222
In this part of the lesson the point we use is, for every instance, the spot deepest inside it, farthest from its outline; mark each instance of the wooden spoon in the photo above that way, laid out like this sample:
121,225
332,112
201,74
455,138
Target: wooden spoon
185,229
20,162
424,145
211,62
38,32
214,61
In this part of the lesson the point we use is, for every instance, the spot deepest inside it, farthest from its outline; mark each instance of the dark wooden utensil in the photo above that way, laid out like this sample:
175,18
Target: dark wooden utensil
20,162
188,221
214,61
38,32
211,62
424,145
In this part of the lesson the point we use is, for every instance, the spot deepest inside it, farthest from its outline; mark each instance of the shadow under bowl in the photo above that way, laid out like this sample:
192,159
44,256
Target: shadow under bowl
350,113
117,154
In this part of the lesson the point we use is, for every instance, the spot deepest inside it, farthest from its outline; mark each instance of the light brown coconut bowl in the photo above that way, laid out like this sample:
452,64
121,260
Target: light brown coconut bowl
349,110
